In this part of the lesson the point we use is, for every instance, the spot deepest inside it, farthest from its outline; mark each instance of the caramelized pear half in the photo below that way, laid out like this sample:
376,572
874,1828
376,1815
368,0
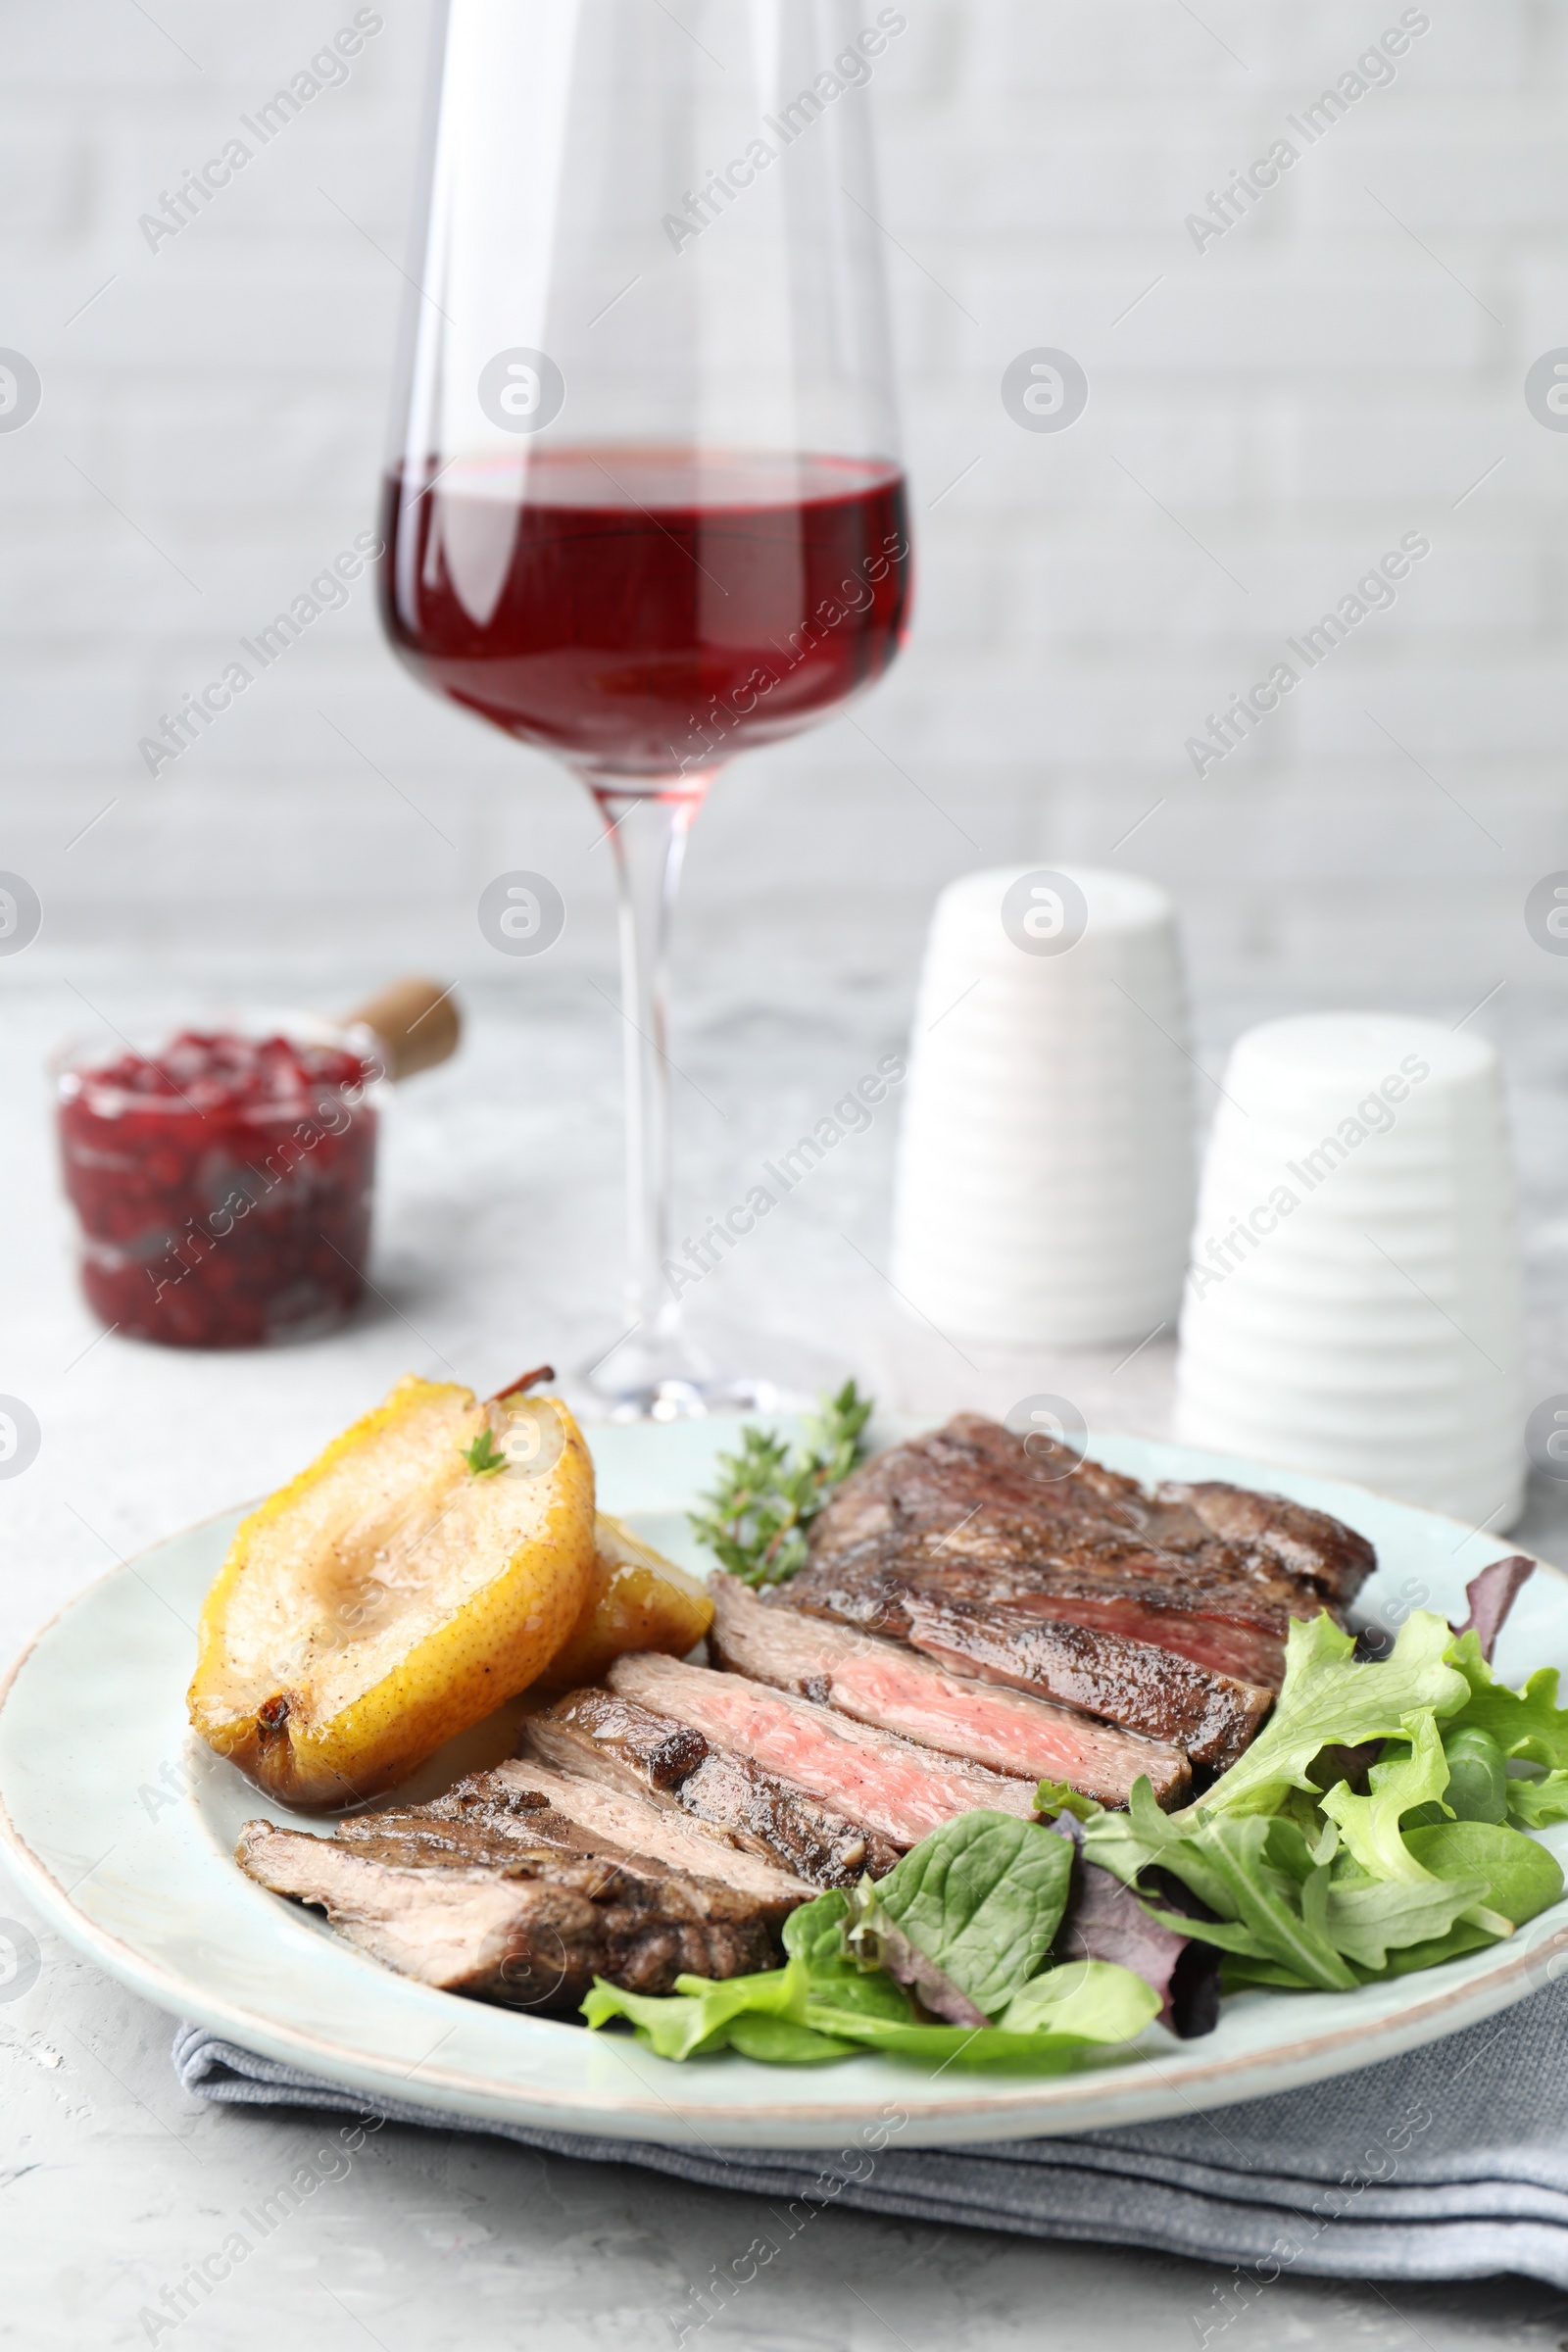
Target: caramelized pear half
428,1565
637,1599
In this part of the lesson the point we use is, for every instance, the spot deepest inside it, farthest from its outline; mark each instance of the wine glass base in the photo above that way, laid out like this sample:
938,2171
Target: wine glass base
676,1377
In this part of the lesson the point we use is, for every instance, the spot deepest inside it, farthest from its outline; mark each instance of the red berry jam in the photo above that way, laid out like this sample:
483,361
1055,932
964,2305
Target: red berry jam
222,1185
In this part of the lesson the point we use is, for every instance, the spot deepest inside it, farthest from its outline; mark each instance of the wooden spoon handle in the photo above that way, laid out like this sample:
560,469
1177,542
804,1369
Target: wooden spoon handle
417,1021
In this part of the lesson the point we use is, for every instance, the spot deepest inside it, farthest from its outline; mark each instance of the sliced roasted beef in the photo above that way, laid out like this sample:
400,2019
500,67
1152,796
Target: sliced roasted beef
1211,1717
889,1784
1210,1572
615,1742
531,1805
1317,1553
898,1689
529,1928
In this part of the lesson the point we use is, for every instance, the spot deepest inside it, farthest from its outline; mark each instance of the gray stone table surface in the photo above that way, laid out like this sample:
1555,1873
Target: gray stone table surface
497,1244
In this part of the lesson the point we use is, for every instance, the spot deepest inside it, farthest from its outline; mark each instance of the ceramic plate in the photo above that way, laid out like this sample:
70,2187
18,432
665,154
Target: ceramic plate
121,1828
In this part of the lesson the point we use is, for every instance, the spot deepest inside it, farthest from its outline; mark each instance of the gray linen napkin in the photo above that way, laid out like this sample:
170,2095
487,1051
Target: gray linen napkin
1450,2163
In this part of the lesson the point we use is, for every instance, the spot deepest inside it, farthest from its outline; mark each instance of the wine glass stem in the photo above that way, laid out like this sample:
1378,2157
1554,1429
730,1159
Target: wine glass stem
647,831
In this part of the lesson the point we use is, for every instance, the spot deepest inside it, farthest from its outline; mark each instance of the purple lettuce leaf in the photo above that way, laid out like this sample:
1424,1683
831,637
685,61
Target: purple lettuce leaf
1106,1921
1491,1594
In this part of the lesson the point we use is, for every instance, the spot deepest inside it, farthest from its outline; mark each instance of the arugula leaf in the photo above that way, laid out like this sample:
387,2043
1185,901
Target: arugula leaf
1092,1998
982,1896
1285,1918
1366,1917
1460,1940
1284,1914
769,1494
1240,1973
1126,1843
1330,1699
1034,2053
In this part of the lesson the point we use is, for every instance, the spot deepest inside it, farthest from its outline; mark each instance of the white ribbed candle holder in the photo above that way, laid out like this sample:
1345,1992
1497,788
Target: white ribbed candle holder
1353,1304
1045,1173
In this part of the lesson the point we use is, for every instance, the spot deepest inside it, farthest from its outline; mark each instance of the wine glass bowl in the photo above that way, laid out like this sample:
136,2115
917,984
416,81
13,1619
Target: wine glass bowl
648,612
644,507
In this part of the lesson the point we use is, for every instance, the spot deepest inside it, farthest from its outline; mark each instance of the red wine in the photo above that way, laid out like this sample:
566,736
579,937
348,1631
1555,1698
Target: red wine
644,611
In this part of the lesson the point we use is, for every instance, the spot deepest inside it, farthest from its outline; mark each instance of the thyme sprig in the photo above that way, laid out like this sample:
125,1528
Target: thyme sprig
484,1457
768,1492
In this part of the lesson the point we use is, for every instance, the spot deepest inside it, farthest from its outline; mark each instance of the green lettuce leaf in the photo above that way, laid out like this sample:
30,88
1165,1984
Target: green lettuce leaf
694,2019
1053,1798
1126,1843
1330,1699
778,2041
1535,1803
1528,1724
1370,1824
983,1897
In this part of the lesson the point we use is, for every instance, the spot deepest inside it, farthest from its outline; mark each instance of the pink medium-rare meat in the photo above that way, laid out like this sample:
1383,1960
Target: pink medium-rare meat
895,1689
1163,1612
1244,1653
1212,1717
889,1784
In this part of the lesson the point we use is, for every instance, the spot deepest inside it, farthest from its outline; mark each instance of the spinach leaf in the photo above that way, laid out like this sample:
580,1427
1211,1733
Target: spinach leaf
1092,1998
1522,1877
982,1896
1477,1776
813,1937
811,1934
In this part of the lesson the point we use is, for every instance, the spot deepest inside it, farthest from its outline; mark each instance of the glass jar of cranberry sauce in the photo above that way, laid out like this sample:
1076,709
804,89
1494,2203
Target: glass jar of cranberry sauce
222,1178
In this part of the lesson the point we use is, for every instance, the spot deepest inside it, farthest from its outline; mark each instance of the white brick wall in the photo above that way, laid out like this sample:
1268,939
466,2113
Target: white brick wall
1279,408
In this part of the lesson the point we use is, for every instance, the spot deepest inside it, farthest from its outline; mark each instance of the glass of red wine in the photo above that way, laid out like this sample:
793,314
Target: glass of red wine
645,509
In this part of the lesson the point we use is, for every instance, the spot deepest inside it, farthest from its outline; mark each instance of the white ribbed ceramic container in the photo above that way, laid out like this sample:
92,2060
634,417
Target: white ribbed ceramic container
1046,1168
1354,1303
